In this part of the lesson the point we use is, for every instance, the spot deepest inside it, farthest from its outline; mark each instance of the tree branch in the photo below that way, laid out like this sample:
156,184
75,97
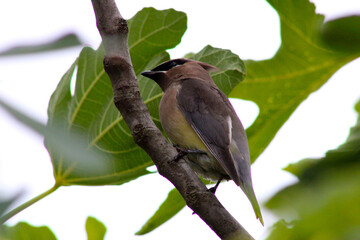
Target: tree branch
117,63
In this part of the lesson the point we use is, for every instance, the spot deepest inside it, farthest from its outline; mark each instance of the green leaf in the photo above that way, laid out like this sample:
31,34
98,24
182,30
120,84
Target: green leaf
95,229
342,34
357,107
68,40
326,198
232,68
25,231
344,156
151,32
301,66
68,149
89,122
279,85
169,208
280,230
298,168
326,208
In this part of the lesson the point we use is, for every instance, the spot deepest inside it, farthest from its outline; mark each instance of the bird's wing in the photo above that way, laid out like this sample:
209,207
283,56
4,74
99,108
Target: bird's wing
207,110
211,115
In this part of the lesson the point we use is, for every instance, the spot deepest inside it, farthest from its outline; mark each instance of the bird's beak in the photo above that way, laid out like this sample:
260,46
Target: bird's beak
159,77
147,74
154,75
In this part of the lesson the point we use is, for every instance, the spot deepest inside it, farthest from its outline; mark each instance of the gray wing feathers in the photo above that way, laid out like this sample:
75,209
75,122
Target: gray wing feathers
209,117
240,151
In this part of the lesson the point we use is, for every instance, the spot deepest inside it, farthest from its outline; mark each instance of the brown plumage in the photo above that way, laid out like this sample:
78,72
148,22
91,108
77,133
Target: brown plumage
196,115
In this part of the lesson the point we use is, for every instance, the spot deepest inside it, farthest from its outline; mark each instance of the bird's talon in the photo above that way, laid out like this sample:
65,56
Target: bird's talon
212,190
183,152
180,155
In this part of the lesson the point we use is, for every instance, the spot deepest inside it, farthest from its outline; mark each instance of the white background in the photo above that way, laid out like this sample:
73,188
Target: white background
250,28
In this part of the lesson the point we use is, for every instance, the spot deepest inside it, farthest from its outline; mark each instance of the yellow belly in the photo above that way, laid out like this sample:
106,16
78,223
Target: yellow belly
174,123
181,133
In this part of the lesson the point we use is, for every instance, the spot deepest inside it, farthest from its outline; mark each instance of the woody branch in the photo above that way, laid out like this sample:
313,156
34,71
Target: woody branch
117,63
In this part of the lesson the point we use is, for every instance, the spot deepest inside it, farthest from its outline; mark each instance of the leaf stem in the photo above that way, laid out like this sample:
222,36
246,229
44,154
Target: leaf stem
15,211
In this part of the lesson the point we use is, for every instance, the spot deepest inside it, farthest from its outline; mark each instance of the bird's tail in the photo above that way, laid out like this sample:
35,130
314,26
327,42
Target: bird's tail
249,191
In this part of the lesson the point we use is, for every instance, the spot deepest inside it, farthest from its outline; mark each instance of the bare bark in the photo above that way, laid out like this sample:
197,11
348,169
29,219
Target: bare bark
117,63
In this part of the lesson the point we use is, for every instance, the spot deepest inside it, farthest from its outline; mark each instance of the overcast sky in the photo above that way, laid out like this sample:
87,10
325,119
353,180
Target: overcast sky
250,28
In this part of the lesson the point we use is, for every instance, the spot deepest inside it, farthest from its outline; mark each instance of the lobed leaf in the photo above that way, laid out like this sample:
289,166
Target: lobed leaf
301,66
232,68
88,141
90,123
278,85
151,32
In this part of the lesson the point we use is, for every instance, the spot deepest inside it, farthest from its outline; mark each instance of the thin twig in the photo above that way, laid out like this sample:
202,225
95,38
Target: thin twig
117,63
27,204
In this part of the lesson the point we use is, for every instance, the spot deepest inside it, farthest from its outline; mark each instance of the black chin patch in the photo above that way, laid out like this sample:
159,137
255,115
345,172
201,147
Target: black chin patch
170,64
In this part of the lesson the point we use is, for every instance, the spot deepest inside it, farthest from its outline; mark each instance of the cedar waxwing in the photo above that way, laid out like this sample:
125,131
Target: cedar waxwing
197,115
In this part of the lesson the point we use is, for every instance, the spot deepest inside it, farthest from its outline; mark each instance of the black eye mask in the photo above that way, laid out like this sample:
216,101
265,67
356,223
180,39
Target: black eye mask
170,64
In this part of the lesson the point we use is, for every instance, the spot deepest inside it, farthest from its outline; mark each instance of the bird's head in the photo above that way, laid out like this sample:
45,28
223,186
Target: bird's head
177,69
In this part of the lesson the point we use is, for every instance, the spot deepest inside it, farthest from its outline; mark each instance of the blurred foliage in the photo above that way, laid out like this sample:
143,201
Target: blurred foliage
325,201
90,114
90,144
6,203
171,206
95,229
28,121
280,230
278,85
342,34
25,231
66,41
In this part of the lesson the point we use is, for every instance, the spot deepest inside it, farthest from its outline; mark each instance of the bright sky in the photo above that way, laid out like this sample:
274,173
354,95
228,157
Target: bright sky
249,28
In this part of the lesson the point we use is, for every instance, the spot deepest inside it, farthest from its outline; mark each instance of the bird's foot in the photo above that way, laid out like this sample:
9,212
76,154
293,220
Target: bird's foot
183,152
213,189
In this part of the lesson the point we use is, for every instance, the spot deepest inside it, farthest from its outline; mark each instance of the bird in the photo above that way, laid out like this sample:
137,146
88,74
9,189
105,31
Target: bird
200,121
